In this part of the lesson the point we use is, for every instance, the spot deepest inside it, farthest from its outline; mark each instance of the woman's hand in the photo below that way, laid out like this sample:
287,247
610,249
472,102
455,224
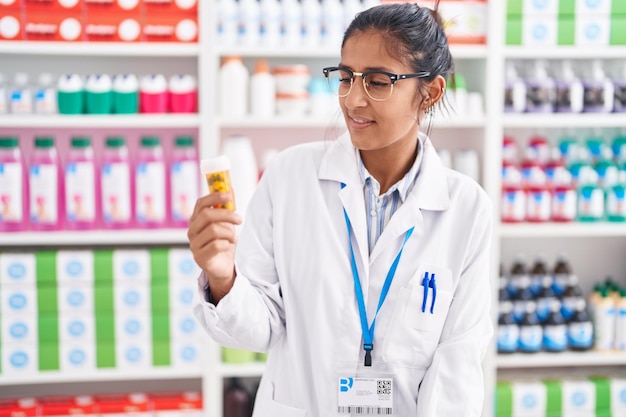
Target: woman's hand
212,238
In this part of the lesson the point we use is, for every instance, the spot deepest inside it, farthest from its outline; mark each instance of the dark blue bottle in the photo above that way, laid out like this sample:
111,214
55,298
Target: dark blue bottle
555,329
530,330
580,328
508,330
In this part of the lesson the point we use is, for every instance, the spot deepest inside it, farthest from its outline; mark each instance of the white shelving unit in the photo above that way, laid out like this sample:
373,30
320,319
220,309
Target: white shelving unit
485,72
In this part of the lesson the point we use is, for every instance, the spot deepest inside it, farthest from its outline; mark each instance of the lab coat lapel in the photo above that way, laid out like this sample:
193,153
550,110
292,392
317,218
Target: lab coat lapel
429,193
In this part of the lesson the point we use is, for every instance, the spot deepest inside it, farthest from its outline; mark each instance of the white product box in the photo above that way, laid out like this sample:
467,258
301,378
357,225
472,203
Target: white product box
184,326
18,300
593,30
182,267
77,328
133,327
594,6
131,265
76,297
187,354
181,295
19,330
540,30
618,396
529,399
133,355
17,268
77,357
75,266
130,296
540,7
578,397
19,359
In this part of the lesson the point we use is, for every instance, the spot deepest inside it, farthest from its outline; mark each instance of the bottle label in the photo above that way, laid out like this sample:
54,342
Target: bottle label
116,192
150,201
555,337
591,202
559,283
80,192
580,335
543,307
615,202
568,307
538,205
43,200
508,337
184,177
513,205
530,338
564,205
11,192
604,324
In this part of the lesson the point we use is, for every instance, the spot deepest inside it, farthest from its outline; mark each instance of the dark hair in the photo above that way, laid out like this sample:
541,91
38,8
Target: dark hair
415,36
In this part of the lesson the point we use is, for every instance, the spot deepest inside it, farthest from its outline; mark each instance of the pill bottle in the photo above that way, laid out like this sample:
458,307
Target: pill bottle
217,174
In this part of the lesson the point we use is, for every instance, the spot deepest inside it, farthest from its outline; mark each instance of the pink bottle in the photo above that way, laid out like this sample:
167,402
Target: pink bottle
184,181
45,186
12,186
153,94
115,184
183,94
564,197
81,186
150,184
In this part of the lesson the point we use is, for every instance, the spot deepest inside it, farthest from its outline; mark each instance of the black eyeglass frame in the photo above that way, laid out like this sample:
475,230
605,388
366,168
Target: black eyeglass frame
392,77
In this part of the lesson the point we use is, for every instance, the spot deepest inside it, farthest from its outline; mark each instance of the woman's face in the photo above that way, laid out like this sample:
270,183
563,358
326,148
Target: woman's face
377,125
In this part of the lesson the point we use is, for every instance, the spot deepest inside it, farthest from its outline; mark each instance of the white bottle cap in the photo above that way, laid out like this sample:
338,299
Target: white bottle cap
217,164
98,83
70,83
182,83
45,79
125,83
20,79
154,84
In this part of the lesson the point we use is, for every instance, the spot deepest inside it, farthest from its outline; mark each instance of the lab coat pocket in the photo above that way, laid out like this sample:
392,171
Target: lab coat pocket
276,409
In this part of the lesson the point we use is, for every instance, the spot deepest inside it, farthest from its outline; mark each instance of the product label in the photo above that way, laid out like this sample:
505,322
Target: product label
43,180
116,193
564,205
80,192
555,337
604,325
150,203
591,202
11,189
580,335
530,338
184,177
513,205
538,205
508,337
615,202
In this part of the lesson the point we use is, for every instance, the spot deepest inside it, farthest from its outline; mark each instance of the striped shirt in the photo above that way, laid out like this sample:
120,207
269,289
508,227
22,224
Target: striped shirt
380,208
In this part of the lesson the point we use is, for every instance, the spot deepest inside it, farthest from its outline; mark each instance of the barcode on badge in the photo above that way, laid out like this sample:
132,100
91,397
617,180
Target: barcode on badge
384,387
382,411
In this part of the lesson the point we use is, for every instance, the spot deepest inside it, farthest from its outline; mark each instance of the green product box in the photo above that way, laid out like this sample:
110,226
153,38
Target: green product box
618,29
230,355
618,8
554,397
567,7
504,399
566,32
513,31
514,7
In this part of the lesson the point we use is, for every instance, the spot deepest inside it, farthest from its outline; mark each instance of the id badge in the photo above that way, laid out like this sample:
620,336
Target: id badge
368,392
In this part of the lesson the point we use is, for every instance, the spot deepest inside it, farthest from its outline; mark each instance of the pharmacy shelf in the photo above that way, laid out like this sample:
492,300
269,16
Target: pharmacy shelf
458,52
254,369
562,230
101,121
138,49
565,52
562,359
95,237
557,120
54,377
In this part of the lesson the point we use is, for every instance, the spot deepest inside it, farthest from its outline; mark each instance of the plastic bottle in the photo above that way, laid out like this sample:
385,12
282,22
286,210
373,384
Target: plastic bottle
533,170
125,94
12,186
513,208
116,186
568,146
540,89
150,184
270,23
227,23
249,22
514,90
554,329
590,198
604,319
311,23
606,168
580,165
46,95
184,176
569,90
570,297
546,298
183,93
596,144
619,86
522,298
291,23
518,271
555,166
620,321
262,90
564,197
244,171
70,94
561,272
332,23
237,401
508,330
98,94
45,186
234,79
21,96
460,96
80,185
537,273
599,95
580,329
216,172
4,95
153,95
530,330
616,200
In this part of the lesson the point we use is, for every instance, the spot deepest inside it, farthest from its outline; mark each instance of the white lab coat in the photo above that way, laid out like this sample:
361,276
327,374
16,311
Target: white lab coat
294,292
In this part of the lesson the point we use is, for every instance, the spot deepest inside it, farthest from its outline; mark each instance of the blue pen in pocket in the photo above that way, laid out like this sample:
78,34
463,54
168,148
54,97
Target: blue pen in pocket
425,284
432,284
429,283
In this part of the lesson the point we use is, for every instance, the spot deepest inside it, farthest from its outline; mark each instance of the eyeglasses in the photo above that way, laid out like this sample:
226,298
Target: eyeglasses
377,84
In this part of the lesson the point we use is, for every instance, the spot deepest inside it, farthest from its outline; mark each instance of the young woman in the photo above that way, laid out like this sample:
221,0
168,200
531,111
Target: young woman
363,263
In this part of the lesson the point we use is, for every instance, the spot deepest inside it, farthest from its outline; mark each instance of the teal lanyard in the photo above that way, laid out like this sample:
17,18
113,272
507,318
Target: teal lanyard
368,333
